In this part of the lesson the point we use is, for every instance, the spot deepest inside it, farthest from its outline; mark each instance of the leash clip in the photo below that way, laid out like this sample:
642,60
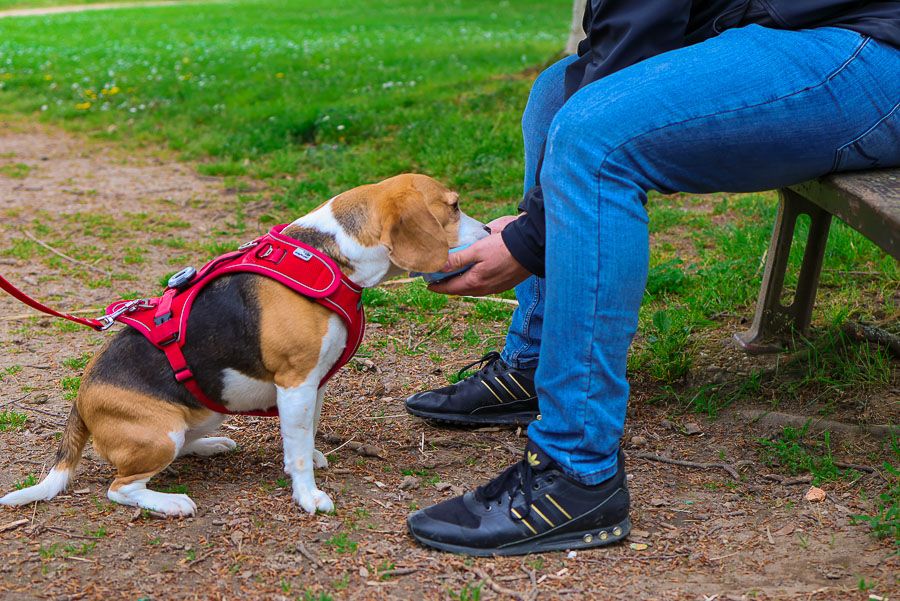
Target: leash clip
107,321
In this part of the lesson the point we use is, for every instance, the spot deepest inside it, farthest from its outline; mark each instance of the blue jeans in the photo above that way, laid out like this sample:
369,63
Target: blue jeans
752,109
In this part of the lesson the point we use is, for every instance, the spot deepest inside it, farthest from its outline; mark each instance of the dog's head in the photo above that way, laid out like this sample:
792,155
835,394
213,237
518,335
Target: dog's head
413,216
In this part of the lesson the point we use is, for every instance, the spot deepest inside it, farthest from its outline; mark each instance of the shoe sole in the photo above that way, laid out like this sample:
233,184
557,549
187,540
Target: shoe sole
587,539
522,418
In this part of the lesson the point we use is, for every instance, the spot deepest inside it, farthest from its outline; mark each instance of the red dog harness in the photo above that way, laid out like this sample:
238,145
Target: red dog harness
163,320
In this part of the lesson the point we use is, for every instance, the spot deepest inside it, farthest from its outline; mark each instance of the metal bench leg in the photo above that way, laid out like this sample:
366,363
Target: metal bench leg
774,322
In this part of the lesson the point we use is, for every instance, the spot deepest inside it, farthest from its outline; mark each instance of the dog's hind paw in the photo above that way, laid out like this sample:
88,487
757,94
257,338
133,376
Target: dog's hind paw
320,461
206,447
176,505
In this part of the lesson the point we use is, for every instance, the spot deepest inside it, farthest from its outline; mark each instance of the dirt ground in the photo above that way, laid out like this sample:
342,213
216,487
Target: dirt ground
698,533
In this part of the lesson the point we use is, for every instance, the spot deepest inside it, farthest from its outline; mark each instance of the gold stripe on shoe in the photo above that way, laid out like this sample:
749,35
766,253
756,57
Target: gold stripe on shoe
557,505
512,397
499,400
538,511
523,520
513,378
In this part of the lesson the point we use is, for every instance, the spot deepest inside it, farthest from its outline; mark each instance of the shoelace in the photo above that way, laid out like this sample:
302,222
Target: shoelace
516,477
486,362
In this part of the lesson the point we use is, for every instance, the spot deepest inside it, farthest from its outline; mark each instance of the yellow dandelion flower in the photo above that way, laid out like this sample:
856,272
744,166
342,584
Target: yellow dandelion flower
48,77
83,106
114,90
279,75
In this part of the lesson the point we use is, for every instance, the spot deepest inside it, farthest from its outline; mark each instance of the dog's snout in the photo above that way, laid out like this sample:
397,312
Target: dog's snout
471,230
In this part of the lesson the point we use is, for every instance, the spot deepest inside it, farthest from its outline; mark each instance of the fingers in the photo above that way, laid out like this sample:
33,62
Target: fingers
468,283
460,259
498,224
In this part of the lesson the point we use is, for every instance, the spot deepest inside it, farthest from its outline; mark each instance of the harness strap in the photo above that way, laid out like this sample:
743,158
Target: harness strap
185,376
97,324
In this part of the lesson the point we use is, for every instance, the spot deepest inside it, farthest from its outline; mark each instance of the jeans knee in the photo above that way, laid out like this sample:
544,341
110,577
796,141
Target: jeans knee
546,97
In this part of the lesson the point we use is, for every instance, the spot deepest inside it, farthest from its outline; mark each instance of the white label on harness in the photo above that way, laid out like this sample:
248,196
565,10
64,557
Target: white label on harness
302,253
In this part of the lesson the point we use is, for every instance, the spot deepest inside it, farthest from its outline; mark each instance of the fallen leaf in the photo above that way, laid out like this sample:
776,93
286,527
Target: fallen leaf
784,530
638,546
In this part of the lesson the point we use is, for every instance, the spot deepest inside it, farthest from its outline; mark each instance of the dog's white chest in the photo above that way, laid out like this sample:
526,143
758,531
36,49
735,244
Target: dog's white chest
243,393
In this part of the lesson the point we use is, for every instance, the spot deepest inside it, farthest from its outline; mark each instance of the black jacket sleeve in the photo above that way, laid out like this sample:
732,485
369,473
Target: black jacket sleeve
620,33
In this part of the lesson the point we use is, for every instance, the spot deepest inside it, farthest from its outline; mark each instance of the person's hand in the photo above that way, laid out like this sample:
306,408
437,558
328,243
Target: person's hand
494,269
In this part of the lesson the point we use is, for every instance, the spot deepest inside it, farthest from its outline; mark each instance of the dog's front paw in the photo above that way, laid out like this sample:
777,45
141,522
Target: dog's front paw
313,500
320,461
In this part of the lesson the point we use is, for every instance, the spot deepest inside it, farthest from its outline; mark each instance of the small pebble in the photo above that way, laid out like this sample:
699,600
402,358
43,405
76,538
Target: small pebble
815,494
691,428
638,441
572,555
409,483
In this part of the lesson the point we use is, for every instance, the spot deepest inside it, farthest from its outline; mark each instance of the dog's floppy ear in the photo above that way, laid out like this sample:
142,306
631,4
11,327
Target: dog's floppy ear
412,234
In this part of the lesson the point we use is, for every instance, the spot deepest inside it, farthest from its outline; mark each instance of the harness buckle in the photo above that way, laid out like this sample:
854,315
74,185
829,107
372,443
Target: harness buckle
170,340
247,245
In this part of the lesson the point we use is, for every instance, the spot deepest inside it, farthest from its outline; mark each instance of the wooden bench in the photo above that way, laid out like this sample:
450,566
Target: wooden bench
867,201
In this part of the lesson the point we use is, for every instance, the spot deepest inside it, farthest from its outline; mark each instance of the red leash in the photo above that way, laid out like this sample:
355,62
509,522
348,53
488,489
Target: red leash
100,324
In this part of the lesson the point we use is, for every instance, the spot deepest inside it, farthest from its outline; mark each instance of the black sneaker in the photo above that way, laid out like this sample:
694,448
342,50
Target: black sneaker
532,507
496,394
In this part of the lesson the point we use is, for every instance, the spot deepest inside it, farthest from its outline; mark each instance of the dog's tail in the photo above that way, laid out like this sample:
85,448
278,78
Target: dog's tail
67,456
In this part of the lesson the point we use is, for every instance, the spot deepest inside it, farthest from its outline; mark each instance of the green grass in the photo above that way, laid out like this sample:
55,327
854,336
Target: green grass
885,521
342,544
701,271
795,453
12,420
329,95
15,170
9,4
70,386
29,480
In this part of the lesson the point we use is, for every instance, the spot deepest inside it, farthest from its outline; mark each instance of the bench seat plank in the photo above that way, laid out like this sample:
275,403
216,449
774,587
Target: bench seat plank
868,201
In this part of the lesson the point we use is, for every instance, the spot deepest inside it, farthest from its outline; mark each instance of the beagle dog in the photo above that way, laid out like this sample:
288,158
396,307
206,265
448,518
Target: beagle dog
253,343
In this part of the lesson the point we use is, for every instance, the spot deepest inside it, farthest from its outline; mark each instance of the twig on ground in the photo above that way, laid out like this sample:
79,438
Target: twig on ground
341,446
862,331
398,282
399,572
45,412
788,481
494,586
496,299
15,401
366,450
386,416
63,255
13,525
854,466
301,548
694,464
33,314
